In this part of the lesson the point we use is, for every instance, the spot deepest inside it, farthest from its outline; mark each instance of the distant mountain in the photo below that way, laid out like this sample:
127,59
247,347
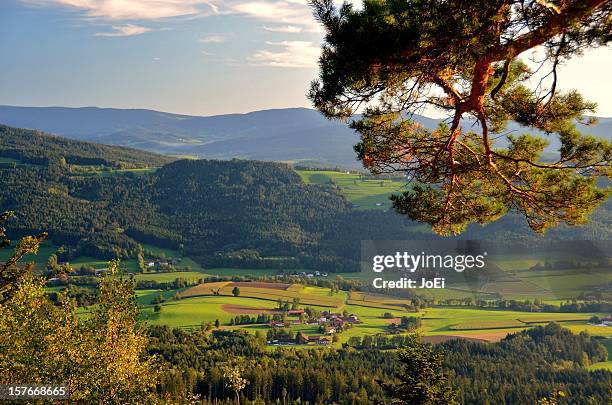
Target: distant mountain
294,134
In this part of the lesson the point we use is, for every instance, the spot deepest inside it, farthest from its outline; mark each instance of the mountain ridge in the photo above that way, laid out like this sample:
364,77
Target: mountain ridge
284,134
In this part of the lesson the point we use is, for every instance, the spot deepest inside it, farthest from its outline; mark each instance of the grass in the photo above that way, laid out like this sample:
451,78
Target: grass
242,272
566,283
194,266
377,299
270,294
205,289
199,304
194,311
168,277
363,194
502,324
552,318
47,248
9,160
443,320
604,365
144,297
487,324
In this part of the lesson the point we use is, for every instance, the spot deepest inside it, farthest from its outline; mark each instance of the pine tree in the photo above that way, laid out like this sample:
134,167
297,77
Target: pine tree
393,58
421,381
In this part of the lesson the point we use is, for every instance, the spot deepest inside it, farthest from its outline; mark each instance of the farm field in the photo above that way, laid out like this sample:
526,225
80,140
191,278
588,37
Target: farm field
210,301
267,291
193,311
566,283
363,194
46,249
206,303
196,271
511,277
471,322
170,276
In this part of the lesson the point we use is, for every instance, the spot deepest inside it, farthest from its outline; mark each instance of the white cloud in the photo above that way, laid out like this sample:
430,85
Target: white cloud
286,28
206,53
124,31
213,39
133,9
294,14
293,54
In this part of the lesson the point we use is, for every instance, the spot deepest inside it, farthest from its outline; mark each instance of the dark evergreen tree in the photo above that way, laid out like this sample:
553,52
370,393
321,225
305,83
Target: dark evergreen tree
393,58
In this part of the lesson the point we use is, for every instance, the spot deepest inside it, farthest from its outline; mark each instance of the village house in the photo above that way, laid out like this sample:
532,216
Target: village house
317,340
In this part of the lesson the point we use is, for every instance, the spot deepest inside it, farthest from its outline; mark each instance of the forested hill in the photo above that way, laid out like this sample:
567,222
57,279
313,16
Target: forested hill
224,213
290,134
36,147
105,202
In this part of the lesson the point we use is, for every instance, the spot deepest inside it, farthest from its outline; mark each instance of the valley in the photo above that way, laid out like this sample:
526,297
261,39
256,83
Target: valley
273,250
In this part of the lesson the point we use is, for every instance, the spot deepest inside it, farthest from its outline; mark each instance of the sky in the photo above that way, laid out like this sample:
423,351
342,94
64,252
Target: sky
200,57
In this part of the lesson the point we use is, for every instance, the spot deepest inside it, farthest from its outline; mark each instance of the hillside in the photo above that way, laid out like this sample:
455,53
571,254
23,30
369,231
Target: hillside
39,148
293,134
103,202
223,213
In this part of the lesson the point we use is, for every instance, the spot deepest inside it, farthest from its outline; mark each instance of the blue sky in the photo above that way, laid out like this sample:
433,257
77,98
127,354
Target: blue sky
187,56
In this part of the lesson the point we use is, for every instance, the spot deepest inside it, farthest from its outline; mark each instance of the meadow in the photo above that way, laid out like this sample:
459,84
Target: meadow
191,270
9,160
267,291
208,302
364,194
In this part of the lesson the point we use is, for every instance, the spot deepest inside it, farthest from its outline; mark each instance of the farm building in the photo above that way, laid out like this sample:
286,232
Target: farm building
318,340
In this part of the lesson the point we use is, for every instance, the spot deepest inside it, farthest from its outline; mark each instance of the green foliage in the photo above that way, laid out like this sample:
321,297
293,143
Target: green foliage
101,357
394,58
251,214
10,273
421,381
37,148
547,357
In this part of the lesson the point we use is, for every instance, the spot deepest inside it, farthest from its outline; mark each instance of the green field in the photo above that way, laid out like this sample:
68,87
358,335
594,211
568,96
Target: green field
363,194
196,271
206,304
8,160
604,365
438,321
170,276
47,248
268,291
